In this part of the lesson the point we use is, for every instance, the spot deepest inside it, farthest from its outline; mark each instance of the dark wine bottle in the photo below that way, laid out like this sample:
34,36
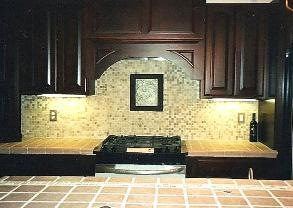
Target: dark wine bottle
253,129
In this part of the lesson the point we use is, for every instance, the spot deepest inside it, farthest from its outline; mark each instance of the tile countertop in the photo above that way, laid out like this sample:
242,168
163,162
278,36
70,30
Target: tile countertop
209,148
142,192
83,146
229,148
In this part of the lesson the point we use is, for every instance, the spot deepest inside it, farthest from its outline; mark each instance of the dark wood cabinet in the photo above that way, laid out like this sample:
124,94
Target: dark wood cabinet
188,56
219,67
273,25
9,97
54,45
70,73
237,51
248,76
217,167
56,164
43,51
147,20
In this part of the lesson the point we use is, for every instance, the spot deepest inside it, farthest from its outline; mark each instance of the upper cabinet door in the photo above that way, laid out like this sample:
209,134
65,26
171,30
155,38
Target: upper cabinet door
52,50
37,50
181,18
44,49
237,51
147,20
118,16
70,75
9,96
249,66
219,69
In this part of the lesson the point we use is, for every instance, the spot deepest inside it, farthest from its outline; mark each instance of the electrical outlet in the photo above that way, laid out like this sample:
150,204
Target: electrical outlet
53,115
241,118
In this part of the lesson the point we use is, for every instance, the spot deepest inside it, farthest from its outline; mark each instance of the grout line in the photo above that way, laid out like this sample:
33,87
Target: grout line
127,193
96,196
244,196
214,193
288,184
185,197
3,178
242,193
17,186
273,196
33,197
30,179
82,179
63,199
56,179
156,193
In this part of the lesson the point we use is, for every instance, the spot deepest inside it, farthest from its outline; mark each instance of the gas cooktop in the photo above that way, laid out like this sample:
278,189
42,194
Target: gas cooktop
141,144
133,149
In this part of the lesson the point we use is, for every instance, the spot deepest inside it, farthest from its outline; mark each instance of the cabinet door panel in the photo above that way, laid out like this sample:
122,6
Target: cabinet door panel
118,16
147,20
70,76
219,52
9,97
273,22
173,16
44,45
247,77
25,50
229,167
2,63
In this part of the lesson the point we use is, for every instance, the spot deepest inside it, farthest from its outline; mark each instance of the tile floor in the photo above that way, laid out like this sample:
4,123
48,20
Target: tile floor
142,192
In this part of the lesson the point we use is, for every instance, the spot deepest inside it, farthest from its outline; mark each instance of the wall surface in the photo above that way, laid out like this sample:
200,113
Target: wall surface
108,111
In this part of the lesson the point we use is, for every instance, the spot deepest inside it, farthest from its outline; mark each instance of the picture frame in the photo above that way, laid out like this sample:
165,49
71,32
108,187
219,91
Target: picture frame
146,92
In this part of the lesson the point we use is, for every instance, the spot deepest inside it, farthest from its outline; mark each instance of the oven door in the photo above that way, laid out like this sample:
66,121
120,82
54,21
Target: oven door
137,169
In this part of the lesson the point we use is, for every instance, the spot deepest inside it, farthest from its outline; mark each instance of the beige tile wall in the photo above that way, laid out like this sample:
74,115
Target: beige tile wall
108,112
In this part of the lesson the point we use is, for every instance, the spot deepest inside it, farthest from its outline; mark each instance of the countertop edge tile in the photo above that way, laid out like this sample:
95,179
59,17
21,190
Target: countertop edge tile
198,148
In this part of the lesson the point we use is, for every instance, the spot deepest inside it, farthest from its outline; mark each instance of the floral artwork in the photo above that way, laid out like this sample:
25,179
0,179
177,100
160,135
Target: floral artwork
146,92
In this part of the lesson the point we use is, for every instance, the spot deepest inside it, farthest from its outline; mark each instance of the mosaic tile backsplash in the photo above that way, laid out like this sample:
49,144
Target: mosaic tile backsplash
107,112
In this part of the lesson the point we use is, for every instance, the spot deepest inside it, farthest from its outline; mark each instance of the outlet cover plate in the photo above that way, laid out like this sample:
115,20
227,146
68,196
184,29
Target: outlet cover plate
53,115
241,118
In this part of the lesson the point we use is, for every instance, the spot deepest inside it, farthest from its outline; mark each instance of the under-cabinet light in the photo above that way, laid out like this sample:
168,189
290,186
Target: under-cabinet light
270,100
232,99
240,1
61,95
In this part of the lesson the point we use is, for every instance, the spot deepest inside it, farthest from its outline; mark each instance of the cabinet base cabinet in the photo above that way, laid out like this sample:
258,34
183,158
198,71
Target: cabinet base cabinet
54,165
216,167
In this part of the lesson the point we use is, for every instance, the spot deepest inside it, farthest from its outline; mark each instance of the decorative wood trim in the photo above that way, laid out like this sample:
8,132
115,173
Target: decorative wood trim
181,53
172,52
107,53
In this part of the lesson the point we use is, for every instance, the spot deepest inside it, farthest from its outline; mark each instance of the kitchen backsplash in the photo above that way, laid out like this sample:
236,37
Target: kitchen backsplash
108,112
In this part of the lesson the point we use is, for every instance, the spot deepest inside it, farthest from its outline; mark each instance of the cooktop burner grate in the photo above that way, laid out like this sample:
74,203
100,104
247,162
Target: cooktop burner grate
156,144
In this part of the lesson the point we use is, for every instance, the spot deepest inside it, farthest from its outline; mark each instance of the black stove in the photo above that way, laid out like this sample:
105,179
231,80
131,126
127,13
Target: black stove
133,149
143,144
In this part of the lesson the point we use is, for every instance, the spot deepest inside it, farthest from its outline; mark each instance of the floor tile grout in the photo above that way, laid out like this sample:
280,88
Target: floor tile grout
160,183
33,197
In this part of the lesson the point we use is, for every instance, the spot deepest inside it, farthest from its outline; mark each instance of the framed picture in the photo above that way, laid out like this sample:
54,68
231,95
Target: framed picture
146,92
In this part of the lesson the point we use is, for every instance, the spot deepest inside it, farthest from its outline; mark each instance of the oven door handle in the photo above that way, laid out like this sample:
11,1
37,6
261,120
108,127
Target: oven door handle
171,170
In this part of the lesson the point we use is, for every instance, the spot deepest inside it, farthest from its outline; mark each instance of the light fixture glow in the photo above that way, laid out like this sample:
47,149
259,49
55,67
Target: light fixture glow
270,100
239,1
61,95
233,100
159,59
